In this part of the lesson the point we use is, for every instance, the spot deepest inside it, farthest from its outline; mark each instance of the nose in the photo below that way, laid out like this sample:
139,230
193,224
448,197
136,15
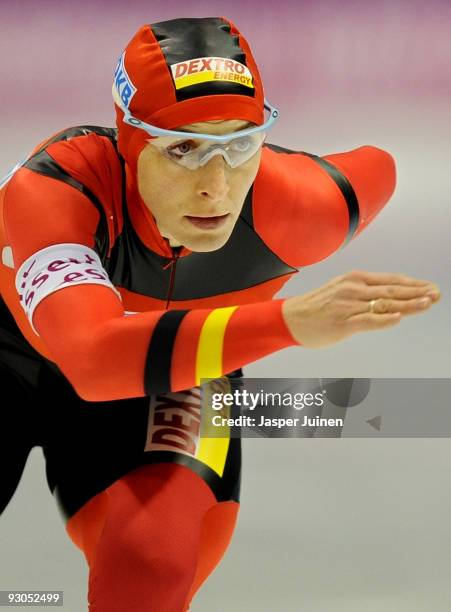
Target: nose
213,182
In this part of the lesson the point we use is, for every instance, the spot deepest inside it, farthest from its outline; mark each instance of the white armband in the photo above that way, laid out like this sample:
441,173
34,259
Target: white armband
56,267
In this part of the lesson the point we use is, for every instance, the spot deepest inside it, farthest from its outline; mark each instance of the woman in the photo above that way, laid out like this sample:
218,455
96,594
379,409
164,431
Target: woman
170,236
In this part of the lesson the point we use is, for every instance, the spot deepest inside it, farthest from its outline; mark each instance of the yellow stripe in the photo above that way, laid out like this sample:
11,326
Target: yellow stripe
208,75
212,451
211,339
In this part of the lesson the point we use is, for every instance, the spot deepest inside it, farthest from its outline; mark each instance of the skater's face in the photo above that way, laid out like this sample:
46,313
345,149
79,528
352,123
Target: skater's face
176,195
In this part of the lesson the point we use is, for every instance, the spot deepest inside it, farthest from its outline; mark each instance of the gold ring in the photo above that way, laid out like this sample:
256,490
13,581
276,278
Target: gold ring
371,305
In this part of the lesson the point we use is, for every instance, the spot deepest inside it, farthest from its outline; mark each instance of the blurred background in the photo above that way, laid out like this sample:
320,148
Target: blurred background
344,524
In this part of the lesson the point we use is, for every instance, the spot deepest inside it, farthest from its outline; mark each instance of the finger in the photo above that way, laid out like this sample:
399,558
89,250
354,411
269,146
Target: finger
434,294
405,307
399,292
412,307
369,321
387,278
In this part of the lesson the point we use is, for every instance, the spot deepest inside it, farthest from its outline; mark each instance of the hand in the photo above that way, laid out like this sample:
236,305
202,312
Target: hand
342,306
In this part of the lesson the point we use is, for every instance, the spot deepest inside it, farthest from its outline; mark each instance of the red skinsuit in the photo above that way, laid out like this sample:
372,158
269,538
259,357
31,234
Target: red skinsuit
195,315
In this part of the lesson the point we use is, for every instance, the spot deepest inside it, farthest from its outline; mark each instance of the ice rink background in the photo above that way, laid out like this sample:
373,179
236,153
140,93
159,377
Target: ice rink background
340,525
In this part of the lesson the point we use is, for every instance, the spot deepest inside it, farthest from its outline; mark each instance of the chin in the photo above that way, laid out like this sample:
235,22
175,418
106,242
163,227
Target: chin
207,243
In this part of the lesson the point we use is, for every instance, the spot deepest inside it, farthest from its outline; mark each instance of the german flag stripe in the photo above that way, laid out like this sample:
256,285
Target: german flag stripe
207,344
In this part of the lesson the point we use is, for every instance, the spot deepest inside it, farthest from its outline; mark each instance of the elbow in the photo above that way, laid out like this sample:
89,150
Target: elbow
376,185
94,374
384,171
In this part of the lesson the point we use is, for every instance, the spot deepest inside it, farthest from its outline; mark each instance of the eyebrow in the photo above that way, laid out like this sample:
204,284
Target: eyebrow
244,127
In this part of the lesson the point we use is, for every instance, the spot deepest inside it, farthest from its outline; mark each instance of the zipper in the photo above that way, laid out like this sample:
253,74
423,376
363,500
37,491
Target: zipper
173,263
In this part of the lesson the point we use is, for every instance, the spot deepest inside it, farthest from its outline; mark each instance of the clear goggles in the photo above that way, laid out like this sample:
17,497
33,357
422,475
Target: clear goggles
193,150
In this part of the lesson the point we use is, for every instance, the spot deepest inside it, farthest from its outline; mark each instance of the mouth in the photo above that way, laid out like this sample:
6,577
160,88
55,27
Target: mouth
207,222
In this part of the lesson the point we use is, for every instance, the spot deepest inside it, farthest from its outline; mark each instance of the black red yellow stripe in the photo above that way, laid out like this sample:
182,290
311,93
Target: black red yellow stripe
209,352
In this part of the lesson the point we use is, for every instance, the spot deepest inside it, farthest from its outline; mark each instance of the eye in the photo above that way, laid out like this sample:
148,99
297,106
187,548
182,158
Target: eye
241,144
181,149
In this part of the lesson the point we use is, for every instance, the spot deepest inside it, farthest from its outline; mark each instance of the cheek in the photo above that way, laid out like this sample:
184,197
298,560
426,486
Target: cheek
161,184
243,177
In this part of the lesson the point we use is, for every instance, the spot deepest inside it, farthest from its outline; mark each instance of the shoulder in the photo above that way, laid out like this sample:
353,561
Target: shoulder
87,154
81,159
71,180
300,174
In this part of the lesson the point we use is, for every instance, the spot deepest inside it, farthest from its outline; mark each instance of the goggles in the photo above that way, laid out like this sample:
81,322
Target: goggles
194,152
192,149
